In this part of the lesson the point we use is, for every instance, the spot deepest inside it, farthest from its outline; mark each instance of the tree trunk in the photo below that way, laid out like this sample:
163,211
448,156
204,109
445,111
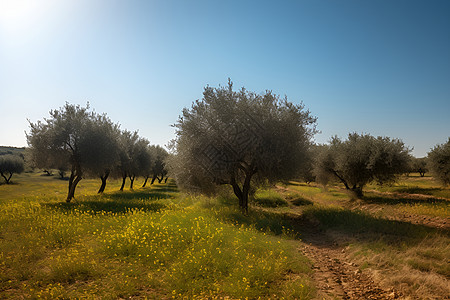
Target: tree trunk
124,178
160,179
103,178
165,181
237,191
145,181
153,179
242,194
75,177
132,181
357,191
421,172
71,193
7,179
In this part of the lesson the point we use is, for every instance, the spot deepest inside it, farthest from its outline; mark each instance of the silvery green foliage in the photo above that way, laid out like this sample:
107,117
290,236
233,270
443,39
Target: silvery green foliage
76,138
9,165
159,165
238,138
439,162
361,159
419,165
135,157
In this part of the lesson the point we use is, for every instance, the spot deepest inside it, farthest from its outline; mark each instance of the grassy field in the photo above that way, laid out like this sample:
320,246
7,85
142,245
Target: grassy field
158,243
152,242
400,233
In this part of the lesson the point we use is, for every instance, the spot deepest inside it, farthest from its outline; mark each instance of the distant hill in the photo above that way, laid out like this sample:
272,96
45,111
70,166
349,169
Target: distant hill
4,150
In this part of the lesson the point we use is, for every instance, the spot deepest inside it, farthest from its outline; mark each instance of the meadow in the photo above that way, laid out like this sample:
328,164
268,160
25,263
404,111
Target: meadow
148,243
159,243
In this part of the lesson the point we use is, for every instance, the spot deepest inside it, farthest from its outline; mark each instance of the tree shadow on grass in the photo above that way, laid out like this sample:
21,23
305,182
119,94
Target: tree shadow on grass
300,201
355,225
106,206
147,194
146,199
401,199
266,221
363,226
418,190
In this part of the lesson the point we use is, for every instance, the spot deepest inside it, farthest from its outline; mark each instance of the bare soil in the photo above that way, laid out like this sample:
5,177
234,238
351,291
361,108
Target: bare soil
336,275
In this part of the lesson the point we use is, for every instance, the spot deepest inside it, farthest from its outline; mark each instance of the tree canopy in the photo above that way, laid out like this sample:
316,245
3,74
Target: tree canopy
439,162
240,138
419,165
10,164
75,137
361,159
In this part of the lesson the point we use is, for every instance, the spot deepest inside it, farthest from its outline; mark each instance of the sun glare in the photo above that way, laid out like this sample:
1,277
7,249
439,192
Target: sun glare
18,15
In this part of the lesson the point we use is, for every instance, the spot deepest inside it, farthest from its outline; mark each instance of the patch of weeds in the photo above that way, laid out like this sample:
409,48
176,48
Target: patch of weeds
269,198
300,201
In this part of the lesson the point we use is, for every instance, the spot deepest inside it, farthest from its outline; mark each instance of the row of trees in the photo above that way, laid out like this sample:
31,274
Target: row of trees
244,140
91,145
236,138
362,159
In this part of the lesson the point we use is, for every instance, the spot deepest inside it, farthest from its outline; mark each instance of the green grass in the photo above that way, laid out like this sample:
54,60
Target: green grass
381,233
151,242
269,198
156,242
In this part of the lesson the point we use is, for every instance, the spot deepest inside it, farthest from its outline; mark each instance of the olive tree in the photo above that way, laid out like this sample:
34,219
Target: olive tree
439,162
419,165
101,148
361,159
127,141
10,164
73,136
239,138
141,160
158,169
135,157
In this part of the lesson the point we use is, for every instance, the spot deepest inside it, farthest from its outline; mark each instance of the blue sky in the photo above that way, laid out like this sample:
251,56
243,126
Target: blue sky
377,67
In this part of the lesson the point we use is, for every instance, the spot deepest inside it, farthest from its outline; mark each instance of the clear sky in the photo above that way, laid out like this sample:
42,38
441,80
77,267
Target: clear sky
377,67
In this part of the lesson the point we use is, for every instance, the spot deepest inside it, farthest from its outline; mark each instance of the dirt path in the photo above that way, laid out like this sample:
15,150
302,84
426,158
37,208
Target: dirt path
335,274
337,277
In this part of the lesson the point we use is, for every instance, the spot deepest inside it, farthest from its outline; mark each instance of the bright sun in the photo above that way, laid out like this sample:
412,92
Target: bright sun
17,15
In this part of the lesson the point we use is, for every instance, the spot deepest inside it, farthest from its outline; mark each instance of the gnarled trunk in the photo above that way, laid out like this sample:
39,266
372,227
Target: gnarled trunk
75,177
357,191
242,194
421,172
103,178
132,181
153,179
7,178
124,178
145,181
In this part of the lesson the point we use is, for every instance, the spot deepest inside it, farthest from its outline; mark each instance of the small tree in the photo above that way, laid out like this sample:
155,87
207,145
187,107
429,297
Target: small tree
439,162
419,165
239,139
141,160
134,156
360,160
10,164
101,144
72,136
158,170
